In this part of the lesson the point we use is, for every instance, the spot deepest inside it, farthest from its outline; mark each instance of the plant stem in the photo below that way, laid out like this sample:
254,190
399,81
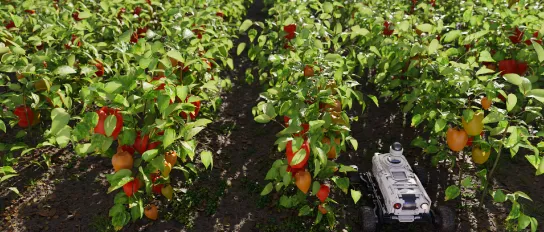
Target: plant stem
490,174
460,176
279,123
24,105
145,108
484,193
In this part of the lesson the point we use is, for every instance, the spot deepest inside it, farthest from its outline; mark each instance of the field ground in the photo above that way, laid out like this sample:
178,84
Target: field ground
68,194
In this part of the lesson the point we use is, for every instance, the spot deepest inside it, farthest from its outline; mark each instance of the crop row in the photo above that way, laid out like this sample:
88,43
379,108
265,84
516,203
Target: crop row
311,87
134,81
468,74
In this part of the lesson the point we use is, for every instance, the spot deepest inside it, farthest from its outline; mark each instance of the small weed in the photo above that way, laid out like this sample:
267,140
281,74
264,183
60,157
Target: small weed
101,224
264,201
184,209
227,128
250,186
47,159
255,188
32,182
295,224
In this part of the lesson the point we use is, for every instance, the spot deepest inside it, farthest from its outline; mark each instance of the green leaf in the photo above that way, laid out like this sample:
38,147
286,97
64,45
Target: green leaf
316,124
269,110
4,178
525,86
345,169
425,27
158,162
113,86
515,211
137,209
230,63
467,15
7,170
539,51
64,70
317,165
523,221
374,99
522,194
119,179
109,124
353,142
416,119
176,55
439,125
207,159
116,209
328,7
60,118
468,115
334,57
263,118
182,91
15,190
2,126
513,78
342,183
475,36
120,198
499,196
356,30
315,187
372,49
240,48
4,50
84,14
452,192
355,195
511,102
169,137
63,137
540,169
493,117
452,35
485,56
403,26
267,189
534,224
120,99
192,132
245,25
484,70
287,177
467,182
272,174
121,219
163,101
187,34
537,94
17,20
150,154
125,37
188,148
299,157
305,210
433,46
318,218
82,149
18,50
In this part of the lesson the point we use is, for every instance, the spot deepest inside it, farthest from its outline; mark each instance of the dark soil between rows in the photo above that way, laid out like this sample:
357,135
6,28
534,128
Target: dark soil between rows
70,195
